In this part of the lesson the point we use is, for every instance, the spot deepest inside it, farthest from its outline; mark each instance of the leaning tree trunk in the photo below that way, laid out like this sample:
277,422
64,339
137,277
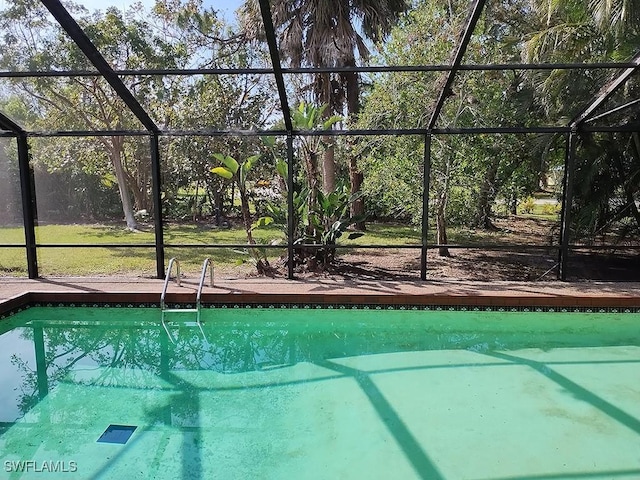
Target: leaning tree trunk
115,149
356,178
441,212
441,227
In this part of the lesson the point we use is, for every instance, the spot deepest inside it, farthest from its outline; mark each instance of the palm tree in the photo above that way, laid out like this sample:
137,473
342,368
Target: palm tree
589,31
608,164
330,33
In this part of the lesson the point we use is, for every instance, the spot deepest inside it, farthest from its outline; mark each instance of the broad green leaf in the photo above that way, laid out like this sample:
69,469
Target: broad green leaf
308,117
250,162
282,169
314,221
223,172
269,141
228,162
320,197
321,109
263,222
299,120
108,180
331,121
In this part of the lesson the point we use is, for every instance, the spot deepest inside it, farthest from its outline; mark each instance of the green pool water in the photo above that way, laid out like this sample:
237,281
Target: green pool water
320,394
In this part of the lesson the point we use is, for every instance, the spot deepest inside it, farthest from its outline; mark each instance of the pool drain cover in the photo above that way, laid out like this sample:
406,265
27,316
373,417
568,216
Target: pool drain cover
117,434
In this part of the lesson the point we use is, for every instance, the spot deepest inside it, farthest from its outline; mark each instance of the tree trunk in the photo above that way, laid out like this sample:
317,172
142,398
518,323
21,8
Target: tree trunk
115,154
328,166
195,210
311,162
441,228
138,182
246,214
217,207
356,177
313,174
141,188
441,212
513,205
232,199
486,197
324,97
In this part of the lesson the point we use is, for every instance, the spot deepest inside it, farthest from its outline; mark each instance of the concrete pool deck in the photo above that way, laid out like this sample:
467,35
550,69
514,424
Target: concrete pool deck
15,292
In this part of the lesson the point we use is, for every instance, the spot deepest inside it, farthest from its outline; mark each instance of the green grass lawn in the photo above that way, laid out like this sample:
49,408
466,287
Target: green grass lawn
134,260
125,259
130,260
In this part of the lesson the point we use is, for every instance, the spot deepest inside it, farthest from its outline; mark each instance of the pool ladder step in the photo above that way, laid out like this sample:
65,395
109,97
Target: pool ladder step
163,306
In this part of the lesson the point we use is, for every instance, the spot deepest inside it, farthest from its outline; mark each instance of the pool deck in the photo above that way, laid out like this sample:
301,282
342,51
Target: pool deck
15,292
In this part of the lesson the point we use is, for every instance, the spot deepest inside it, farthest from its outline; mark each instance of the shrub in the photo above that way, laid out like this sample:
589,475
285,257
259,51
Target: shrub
527,205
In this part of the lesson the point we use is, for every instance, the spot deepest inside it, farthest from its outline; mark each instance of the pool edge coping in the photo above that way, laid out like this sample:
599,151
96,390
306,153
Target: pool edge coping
534,302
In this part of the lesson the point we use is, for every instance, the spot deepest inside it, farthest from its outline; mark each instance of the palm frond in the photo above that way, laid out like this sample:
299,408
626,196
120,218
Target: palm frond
615,16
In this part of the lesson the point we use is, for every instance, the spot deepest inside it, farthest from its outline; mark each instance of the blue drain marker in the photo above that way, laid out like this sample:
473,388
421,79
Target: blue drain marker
117,434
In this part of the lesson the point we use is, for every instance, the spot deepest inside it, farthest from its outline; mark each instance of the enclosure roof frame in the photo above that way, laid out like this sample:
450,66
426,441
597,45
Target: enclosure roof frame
113,77
165,72
77,34
445,92
606,91
612,111
561,129
9,125
265,10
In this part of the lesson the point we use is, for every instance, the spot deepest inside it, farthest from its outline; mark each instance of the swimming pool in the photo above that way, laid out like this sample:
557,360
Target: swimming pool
319,393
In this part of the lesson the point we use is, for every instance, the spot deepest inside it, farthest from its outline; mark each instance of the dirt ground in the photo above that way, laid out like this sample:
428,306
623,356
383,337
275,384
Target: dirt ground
502,264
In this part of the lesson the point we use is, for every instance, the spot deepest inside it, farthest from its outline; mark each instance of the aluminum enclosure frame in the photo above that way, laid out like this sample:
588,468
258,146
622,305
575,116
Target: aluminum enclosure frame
579,124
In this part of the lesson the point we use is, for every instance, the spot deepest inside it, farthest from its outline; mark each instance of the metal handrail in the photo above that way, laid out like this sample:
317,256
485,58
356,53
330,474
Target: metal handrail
166,280
205,264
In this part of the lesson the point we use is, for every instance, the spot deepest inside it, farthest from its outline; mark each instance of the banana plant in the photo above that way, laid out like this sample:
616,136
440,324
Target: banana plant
238,172
323,225
331,219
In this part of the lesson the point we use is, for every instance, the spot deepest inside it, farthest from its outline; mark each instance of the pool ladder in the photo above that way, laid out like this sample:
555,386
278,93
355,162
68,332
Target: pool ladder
163,306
